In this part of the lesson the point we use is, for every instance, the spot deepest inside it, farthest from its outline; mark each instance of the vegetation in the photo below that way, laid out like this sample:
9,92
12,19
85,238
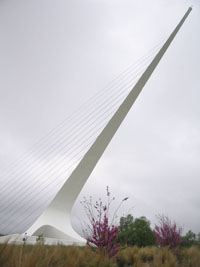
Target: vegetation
105,237
135,232
191,239
60,256
101,230
167,233
131,243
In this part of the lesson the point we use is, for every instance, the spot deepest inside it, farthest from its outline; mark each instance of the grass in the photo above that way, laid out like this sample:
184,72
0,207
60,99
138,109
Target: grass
41,255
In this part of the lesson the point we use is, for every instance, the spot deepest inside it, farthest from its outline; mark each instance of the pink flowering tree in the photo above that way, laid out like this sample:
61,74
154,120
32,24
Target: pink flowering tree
167,233
101,231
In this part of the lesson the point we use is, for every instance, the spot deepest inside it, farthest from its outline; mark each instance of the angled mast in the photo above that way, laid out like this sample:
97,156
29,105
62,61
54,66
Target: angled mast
55,220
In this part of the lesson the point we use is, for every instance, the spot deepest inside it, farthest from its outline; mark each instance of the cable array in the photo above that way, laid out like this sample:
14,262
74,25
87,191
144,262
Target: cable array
31,182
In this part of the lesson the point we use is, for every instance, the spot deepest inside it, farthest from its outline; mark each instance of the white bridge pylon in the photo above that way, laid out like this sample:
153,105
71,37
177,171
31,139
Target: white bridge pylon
55,220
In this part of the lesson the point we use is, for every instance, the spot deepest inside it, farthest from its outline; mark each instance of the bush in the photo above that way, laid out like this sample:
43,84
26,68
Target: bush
101,231
167,233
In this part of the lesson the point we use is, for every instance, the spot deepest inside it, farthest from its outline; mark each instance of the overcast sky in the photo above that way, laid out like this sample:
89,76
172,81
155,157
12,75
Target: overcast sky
55,54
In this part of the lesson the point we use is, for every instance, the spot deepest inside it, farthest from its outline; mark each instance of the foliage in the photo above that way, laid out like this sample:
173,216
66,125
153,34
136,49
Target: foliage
104,237
40,238
198,238
60,256
191,239
135,232
101,230
167,233
125,230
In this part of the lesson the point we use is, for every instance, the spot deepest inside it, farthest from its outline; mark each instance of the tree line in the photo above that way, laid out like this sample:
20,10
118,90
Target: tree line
138,232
